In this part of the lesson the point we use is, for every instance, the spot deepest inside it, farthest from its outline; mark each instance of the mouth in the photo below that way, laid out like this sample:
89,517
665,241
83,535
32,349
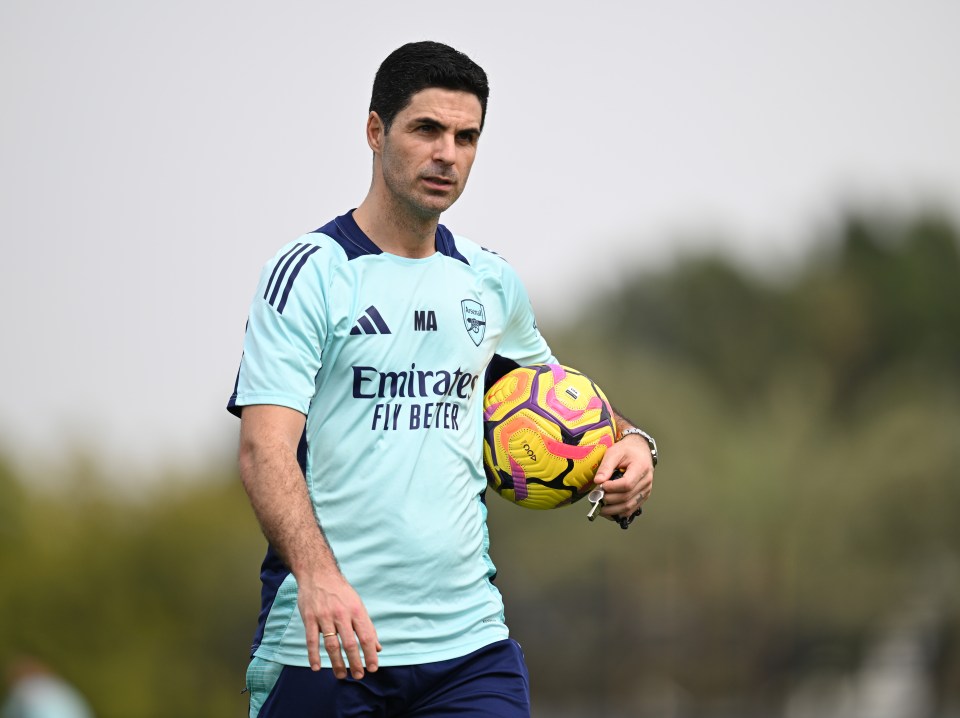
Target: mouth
438,182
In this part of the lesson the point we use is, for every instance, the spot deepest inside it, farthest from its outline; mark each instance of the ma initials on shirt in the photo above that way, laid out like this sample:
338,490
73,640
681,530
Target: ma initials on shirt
424,321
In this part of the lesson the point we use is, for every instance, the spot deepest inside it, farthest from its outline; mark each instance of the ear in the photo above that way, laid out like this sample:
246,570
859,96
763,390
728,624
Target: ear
375,132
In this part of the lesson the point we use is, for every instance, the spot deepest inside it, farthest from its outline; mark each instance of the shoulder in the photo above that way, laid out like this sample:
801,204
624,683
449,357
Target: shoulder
476,255
299,267
310,253
493,265
314,248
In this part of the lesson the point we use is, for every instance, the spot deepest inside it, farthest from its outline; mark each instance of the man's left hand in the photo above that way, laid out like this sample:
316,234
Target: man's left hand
624,495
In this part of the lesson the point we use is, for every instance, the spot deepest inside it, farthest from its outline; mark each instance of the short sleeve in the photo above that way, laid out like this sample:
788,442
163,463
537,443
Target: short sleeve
286,329
522,341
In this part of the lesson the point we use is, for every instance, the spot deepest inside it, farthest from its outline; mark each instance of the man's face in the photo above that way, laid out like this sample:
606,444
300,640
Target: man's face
427,154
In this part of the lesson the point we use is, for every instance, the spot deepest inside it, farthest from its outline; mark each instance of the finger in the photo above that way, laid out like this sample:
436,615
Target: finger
608,465
625,486
622,510
624,502
331,644
351,647
370,646
313,647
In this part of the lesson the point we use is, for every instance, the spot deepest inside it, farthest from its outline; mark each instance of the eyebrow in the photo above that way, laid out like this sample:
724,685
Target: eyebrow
427,120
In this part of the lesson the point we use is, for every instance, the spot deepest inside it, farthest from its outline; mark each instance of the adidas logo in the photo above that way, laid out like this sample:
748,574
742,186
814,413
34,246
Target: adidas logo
370,322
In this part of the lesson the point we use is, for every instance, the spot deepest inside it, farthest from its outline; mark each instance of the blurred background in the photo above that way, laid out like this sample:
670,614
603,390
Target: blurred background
742,221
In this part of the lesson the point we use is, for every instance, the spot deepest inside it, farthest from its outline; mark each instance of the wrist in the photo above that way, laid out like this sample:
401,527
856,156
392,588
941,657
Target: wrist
651,442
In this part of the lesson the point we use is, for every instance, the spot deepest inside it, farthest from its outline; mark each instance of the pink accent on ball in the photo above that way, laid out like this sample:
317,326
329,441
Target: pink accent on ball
519,480
557,406
566,451
523,382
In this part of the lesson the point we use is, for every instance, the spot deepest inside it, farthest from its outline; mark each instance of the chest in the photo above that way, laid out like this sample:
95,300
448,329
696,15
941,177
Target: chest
395,316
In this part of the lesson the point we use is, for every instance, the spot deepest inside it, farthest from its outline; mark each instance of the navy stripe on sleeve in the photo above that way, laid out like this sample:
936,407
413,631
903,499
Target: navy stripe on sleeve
283,272
273,274
293,275
280,283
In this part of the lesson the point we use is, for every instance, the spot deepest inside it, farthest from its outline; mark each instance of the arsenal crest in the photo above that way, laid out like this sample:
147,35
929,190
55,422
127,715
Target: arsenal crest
474,319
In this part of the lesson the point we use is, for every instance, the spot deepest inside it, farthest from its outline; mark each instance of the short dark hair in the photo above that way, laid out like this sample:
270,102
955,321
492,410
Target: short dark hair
417,66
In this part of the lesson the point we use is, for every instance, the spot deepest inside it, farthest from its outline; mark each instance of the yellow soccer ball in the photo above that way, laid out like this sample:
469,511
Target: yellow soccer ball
545,429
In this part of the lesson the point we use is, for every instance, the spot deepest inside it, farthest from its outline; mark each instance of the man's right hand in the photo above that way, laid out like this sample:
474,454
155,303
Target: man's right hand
333,613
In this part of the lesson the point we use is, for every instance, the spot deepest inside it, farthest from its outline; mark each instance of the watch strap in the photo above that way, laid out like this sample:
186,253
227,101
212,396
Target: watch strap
651,442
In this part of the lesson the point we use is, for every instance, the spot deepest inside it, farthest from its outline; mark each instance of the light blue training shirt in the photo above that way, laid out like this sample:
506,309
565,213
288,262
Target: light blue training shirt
386,356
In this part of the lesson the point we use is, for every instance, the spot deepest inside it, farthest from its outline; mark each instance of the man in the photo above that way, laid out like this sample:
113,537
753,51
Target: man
361,391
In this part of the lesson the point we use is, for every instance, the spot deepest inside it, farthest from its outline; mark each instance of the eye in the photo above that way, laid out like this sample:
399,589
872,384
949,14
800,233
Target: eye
467,138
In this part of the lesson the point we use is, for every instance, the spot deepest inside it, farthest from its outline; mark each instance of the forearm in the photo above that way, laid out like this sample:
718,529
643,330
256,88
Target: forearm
275,485
624,427
621,421
331,609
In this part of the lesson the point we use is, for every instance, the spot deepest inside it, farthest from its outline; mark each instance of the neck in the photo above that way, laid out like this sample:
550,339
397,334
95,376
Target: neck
395,229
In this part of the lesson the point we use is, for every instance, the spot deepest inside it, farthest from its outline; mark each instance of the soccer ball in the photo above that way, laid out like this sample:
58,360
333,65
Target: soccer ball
545,430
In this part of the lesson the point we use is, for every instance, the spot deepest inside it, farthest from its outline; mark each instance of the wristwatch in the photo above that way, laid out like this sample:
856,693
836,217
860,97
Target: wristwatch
651,442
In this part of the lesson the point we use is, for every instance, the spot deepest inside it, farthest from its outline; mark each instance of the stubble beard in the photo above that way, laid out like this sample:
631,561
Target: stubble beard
405,197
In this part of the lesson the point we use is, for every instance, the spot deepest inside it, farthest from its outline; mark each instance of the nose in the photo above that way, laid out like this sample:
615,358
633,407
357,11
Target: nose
444,149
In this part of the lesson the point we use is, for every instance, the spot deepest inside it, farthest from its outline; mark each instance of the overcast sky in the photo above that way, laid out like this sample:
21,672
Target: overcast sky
154,155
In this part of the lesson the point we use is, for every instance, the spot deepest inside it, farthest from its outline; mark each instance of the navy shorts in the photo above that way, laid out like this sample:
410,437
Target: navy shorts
490,682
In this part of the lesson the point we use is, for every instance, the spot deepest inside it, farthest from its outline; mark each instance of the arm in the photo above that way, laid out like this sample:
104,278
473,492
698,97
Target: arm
269,436
522,344
632,456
